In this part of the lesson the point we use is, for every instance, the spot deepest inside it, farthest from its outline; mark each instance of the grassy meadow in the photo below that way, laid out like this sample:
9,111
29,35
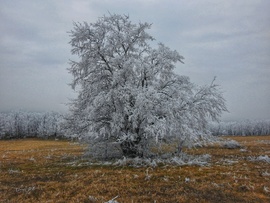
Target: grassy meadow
33,170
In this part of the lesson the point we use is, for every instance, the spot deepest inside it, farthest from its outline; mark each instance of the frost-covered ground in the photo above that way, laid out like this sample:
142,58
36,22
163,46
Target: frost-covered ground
55,171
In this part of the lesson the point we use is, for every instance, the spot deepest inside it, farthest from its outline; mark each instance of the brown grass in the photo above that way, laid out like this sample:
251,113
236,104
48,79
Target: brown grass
42,171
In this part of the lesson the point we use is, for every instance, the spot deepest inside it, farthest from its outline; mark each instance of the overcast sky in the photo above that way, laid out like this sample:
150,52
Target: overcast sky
229,39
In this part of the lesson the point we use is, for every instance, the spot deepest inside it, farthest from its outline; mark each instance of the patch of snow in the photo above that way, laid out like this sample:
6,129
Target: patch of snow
264,158
243,150
266,189
231,144
265,173
113,200
229,162
187,180
11,171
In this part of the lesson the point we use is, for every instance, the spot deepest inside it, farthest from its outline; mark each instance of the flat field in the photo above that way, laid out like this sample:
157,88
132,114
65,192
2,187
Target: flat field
34,170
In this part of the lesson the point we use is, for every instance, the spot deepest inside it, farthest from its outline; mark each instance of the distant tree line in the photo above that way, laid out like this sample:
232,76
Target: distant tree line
241,128
22,124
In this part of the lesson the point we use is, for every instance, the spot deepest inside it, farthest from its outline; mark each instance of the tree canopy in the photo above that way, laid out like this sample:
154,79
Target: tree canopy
128,92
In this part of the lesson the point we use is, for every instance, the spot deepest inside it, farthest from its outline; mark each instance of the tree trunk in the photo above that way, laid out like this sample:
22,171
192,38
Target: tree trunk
131,149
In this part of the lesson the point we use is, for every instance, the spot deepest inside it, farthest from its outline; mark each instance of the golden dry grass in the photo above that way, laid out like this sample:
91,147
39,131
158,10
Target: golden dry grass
40,171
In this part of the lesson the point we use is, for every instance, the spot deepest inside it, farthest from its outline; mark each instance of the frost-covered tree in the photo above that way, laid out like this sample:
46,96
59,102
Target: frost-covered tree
128,92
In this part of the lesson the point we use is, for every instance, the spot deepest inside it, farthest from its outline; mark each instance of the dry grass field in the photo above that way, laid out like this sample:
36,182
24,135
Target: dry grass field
42,171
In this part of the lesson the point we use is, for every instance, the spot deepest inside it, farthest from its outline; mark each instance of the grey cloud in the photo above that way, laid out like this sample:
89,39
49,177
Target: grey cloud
228,39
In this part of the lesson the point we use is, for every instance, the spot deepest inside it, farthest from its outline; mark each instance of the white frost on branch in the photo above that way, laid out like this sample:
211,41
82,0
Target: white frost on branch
128,91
